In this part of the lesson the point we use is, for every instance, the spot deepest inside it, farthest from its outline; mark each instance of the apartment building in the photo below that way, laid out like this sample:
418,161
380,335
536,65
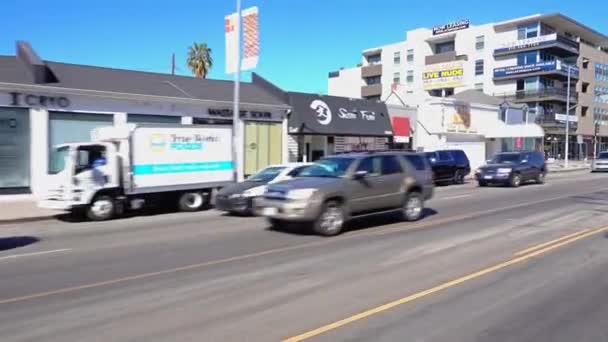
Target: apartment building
547,62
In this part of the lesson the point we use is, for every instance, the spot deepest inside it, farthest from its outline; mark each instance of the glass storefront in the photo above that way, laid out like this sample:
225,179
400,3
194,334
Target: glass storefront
72,127
14,149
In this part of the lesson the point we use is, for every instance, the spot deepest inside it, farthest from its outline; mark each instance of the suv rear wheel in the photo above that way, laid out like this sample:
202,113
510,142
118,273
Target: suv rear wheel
331,220
413,207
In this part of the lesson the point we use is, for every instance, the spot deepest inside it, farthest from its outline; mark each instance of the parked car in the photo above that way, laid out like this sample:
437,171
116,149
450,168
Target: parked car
449,166
513,169
601,163
335,189
238,198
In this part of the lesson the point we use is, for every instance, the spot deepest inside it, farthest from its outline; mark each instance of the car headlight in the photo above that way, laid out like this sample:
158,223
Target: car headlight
504,170
301,194
233,196
254,192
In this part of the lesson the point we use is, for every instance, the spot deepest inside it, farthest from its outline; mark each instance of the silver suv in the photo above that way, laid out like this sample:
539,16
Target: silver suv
335,189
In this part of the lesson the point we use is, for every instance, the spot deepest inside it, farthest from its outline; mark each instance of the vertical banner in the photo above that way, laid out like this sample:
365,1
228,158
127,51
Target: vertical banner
231,28
251,39
251,42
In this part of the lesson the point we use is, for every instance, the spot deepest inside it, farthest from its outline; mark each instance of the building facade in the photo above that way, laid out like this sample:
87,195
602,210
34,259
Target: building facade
526,60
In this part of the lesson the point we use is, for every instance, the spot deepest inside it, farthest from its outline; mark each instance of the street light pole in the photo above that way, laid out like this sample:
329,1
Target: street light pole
567,118
236,142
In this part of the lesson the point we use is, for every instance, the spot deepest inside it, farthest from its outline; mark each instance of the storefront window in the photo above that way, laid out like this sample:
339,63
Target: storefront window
154,119
72,127
14,148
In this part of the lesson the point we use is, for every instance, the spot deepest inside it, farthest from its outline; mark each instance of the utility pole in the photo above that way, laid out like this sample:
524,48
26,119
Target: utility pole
236,141
173,64
567,117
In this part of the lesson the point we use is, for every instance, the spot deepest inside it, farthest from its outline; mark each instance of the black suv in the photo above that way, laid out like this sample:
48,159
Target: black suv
449,166
513,168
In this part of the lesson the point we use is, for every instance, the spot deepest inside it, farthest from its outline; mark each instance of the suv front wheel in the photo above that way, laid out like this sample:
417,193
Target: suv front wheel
413,207
331,220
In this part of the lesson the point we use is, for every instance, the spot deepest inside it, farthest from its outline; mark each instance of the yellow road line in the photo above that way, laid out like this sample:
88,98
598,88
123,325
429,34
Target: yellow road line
542,245
397,228
444,286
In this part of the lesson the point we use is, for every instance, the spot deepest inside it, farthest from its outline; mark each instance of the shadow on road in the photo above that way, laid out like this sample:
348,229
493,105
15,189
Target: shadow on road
372,221
157,210
16,242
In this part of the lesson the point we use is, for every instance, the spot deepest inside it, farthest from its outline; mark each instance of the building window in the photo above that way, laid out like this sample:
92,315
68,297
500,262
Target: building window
15,148
527,31
397,58
546,57
373,98
480,43
445,47
526,58
410,77
601,94
154,119
547,83
600,115
374,59
585,63
601,72
479,67
584,110
373,80
396,78
585,87
479,86
410,55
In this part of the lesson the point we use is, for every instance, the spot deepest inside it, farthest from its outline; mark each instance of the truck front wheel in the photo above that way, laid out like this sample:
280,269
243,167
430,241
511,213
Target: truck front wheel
101,208
191,201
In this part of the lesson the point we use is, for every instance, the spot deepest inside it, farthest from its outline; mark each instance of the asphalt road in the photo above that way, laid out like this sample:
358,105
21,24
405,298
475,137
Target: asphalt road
486,264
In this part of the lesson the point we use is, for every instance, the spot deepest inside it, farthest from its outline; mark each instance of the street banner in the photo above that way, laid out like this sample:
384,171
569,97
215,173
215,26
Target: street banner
251,44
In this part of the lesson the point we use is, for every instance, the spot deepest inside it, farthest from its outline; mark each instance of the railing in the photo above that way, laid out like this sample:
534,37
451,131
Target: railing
540,94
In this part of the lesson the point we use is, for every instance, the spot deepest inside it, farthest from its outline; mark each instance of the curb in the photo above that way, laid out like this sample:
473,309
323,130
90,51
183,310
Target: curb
26,219
570,170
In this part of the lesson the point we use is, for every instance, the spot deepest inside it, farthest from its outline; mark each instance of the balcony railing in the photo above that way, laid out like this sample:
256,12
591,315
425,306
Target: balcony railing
547,94
371,70
555,41
371,90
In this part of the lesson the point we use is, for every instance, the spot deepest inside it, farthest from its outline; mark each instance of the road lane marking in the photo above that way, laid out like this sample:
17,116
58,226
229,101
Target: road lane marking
454,197
15,256
542,245
438,288
379,232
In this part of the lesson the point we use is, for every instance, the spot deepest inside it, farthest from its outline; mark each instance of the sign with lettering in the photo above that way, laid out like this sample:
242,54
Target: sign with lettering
244,114
32,100
535,67
523,44
443,75
451,27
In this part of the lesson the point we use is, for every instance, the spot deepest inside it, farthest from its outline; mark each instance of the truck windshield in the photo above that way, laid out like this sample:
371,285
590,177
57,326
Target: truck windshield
330,167
58,158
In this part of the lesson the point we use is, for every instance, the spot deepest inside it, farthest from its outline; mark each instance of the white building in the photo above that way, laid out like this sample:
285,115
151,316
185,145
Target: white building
523,60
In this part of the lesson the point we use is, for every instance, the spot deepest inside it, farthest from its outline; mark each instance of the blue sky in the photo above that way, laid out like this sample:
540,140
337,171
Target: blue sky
301,40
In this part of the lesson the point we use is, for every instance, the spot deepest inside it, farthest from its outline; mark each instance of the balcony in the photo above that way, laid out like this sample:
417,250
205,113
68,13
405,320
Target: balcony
371,90
553,69
371,70
556,44
440,58
540,95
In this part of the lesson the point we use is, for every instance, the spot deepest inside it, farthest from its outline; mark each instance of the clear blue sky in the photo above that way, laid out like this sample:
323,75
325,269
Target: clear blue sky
301,40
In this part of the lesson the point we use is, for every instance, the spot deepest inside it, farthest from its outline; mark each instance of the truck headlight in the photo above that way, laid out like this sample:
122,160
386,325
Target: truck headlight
504,170
301,194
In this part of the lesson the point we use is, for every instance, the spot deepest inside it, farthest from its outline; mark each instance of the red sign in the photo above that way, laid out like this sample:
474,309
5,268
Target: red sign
519,143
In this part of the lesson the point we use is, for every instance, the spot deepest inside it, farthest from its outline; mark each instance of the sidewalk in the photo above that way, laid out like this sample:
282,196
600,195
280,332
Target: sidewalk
22,208
573,165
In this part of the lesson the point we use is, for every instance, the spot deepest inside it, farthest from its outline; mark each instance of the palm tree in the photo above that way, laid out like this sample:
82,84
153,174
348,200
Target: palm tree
199,59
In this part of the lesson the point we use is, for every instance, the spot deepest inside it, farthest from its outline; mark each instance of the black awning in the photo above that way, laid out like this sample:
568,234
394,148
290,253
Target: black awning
333,115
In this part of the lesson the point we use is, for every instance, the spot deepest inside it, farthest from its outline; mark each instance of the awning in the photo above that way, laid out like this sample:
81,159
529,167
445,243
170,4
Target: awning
514,131
401,129
334,115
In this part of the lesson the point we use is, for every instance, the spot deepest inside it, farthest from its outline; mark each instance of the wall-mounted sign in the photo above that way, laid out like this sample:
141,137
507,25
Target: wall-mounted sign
245,114
451,27
21,99
562,118
461,119
443,75
523,44
536,67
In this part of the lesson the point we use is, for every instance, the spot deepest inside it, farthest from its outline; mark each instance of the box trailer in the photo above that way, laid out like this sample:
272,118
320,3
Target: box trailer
127,167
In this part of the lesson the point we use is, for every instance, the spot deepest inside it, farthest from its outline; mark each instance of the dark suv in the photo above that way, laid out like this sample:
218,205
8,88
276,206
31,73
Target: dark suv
335,189
449,166
513,168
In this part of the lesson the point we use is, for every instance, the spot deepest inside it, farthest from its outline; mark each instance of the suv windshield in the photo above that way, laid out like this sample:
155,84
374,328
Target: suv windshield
603,155
266,175
330,167
58,157
506,158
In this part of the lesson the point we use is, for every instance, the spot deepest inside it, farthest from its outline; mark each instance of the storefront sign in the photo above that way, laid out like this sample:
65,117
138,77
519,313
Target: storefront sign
451,27
244,114
562,117
443,75
528,43
21,99
335,115
530,68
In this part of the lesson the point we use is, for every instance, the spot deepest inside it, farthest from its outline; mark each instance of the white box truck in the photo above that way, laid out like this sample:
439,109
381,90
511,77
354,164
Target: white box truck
126,167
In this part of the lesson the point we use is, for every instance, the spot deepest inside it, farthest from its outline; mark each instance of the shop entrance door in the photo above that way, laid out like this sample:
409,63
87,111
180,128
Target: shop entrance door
263,145
14,150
